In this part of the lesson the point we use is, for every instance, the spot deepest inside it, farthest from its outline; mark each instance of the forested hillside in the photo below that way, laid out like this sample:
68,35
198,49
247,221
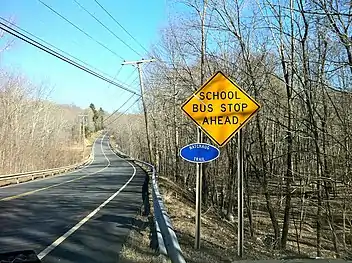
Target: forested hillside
294,58
35,133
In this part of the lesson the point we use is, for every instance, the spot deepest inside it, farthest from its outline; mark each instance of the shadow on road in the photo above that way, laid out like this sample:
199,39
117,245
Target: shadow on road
37,220
145,196
141,244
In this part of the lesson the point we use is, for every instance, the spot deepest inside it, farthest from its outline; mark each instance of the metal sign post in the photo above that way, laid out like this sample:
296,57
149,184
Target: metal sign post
199,153
240,228
199,171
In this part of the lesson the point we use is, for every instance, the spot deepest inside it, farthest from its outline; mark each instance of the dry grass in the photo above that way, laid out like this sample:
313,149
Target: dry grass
219,236
140,245
75,150
137,247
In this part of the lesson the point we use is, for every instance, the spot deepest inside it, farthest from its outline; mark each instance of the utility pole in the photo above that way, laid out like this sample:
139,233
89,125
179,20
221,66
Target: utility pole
82,124
138,64
176,139
199,167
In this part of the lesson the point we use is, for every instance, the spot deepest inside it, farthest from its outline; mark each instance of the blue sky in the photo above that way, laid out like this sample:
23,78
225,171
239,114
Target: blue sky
143,19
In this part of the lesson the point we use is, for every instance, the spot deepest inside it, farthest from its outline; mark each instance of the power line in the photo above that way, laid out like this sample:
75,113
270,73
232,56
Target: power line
129,76
52,52
107,12
81,30
51,45
119,108
115,77
131,85
96,19
118,95
118,72
122,113
135,79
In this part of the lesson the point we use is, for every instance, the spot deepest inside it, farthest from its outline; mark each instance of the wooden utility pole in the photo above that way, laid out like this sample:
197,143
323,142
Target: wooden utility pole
199,167
83,122
138,64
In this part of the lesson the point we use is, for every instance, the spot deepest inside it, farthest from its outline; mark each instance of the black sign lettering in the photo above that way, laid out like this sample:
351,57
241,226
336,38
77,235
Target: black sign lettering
202,107
216,95
195,107
230,95
220,120
234,119
223,107
227,121
223,95
236,94
244,105
229,109
201,95
237,107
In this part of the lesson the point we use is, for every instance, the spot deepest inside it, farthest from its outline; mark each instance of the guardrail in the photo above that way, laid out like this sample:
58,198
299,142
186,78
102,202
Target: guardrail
43,173
167,240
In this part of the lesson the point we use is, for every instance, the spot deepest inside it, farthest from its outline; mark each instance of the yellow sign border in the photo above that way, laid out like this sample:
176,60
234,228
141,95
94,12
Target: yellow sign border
239,127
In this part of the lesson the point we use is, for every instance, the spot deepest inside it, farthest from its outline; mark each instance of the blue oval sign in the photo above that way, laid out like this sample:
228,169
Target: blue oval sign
199,152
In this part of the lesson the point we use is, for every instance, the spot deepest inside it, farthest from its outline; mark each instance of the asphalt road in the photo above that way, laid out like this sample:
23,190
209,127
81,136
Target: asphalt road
83,216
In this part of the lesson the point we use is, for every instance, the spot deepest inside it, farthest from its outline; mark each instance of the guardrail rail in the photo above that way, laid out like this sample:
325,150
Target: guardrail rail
167,240
16,177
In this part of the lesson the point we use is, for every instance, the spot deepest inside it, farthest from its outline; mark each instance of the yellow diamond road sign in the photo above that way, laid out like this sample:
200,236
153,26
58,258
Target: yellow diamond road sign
221,108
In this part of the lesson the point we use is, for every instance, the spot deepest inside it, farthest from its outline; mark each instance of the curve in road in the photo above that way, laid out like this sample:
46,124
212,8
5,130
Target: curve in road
83,216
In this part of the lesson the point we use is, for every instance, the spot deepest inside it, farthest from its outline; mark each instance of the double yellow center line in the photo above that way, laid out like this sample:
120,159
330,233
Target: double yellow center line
48,187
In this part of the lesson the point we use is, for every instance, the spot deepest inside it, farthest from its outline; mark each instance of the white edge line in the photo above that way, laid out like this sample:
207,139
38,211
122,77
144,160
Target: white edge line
58,241
101,147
